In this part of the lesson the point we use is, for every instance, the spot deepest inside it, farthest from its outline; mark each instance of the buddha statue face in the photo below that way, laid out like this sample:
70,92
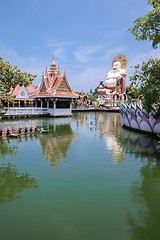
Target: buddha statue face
116,66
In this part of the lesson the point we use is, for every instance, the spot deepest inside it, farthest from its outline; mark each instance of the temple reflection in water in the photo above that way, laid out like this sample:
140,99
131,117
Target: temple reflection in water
56,145
118,140
110,172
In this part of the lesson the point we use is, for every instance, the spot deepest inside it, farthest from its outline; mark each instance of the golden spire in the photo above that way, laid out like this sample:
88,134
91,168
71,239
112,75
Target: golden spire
59,70
64,72
53,54
46,71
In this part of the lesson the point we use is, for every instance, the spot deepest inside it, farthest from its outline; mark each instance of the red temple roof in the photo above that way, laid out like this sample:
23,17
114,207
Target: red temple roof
54,85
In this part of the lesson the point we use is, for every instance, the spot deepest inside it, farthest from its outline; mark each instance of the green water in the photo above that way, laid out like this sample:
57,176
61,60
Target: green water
88,179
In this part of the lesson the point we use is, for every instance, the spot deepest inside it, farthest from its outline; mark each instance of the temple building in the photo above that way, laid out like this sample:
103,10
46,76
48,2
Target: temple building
54,93
22,95
53,97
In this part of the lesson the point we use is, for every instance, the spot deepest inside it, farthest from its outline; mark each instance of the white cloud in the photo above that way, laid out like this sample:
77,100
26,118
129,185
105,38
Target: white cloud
85,54
89,78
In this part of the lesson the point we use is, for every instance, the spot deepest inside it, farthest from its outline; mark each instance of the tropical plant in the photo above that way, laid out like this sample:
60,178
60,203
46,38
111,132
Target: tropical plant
9,77
147,79
148,27
132,93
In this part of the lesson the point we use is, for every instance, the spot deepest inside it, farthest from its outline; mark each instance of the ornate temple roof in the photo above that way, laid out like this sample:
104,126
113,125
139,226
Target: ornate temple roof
21,92
53,84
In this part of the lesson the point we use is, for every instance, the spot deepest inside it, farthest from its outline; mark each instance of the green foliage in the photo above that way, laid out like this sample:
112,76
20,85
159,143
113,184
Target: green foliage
94,95
10,77
148,27
159,142
132,93
147,79
154,3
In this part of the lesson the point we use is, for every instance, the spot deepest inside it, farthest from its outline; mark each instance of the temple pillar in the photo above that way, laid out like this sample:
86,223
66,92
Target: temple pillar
71,104
41,103
54,102
47,103
19,104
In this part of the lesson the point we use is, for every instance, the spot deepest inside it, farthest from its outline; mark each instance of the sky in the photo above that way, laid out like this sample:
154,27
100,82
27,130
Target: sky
86,35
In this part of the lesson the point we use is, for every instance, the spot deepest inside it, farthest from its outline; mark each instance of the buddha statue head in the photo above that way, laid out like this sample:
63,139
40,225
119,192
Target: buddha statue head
116,66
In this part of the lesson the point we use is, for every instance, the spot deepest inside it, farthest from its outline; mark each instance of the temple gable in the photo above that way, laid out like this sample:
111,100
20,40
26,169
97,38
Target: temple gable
22,93
42,85
64,86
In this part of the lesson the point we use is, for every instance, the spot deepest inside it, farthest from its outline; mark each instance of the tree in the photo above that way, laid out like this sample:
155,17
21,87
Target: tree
148,27
147,79
132,93
94,94
147,76
9,78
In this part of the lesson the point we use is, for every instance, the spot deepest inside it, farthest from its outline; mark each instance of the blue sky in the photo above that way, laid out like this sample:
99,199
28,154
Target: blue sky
86,34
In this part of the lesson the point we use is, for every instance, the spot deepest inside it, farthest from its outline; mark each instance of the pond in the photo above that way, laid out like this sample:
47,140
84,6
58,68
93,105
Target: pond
89,178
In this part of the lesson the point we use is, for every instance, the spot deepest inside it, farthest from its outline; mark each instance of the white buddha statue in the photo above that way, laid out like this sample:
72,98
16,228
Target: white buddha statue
115,80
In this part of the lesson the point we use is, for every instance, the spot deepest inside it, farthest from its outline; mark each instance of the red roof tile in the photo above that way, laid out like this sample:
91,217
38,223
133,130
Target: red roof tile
16,90
31,88
41,94
56,83
46,82
67,94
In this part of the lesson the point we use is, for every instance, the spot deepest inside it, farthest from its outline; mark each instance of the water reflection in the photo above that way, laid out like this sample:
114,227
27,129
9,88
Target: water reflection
139,145
107,124
146,192
144,223
126,195
7,148
12,183
119,140
143,219
56,145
